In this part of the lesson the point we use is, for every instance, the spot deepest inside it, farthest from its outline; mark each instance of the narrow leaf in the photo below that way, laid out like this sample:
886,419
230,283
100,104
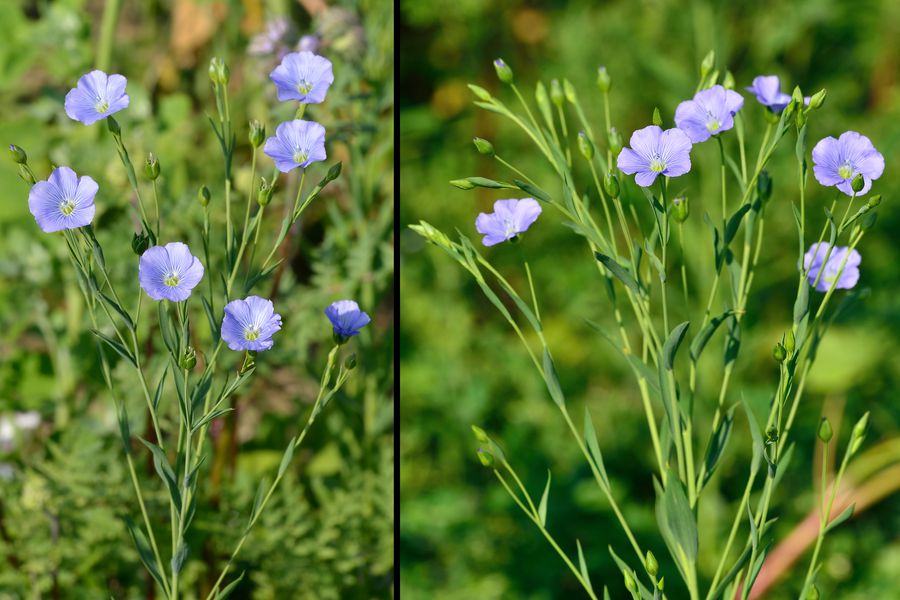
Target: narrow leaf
286,459
619,272
582,566
846,514
670,348
700,340
116,346
542,507
551,379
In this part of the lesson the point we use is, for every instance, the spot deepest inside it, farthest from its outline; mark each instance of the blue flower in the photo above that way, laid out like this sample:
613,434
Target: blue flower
303,76
64,201
708,113
295,144
346,318
96,97
169,272
836,162
509,219
815,257
249,324
655,152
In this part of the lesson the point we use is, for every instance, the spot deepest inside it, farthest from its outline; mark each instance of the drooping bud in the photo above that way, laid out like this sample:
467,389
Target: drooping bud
140,242
817,99
350,362
825,433
504,73
657,118
18,155
203,195
483,146
874,201
188,359
652,565
585,145
615,141
257,133
764,186
858,183
779,353
707,65
463,184
680,208
603,80
556,93
151,167
611,185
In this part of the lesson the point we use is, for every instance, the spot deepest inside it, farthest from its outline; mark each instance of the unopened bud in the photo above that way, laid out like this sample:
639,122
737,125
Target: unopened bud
151,167
480,93
26,174
585,145
603,80
504,73
569,91
480,435
661,583
764,186
728,81
652,565
797,96
463,184
203,195
859,433
858,183
707,65
629,583
817,99
680,208
874,201
264,195
485,457
350,362
556,93
812,593
615,141
18,155
825,433
257,133
779,353
657,118
790,341
113,126
541,97
483,146
611,185
140,242
188,359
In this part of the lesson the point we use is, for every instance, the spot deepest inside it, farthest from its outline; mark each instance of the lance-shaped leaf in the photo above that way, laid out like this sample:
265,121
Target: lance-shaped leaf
700,340
734,222
164,470
533,190
542,506
619,272
144,551
677,524
116,346
552,380
673,342
582,566
590,438
716,445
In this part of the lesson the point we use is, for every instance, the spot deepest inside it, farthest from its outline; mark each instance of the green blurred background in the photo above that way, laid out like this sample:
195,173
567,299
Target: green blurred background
328,533
461,536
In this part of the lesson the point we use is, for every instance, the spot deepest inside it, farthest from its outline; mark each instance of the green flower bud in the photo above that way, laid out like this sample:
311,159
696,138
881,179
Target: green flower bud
764,186
772,118
556,93
817,99
859,433
661,583
140,242
483,146
728,81
611,185
858,183
652,565
812,593
188,359
18,155
339,339
680,208
486,458
504,73
541,97
569,91
350,362
629,583
825,433
779,353
480,435
585,145
800,118
249,362
264,195
481,93
113,126
656,119
603,80
874,201
257,133
151,167
771,435
203,195
615,141
869,220
213,70
463,184
790,341
26,175
708,62
797,96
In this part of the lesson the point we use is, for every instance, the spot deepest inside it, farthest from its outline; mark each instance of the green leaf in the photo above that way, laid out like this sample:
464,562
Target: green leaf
551,379
700,340
582,566
144,551
116,346
213,324
542,507
716,445
640,368
753,572
164,470
179,556
489,183
801,304
755,436
230,587
670,348
623,566
286,459
736,568
157,396
677,525
590,438
263,274
124,429
846,514
169,335
619,272
209,417
533,190
734,222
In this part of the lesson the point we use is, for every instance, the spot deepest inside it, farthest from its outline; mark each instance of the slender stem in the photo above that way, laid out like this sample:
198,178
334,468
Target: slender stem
245,233
107,33
156,205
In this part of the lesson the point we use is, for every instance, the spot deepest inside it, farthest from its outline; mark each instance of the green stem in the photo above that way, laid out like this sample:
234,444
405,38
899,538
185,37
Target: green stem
107,33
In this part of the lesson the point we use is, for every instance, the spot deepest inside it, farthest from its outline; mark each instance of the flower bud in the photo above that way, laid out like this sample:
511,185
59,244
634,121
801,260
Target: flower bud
483,146
779,353
661,583
657,118
463,184
486,458
629,583
812,593
611,185
113,126
771,435
615,141
18,155
257,133
541,97
874,201
728,81
817,99
188,359
203,195
652,565
350,362
800,118
481,93
26,175
603,80
213,70
797,96
708,62
264,196
339,339
680,208
859,433
585,145
556,93
825,433
790,341
249,362
480,435
151,167
140,242
868,221
504,73
569,91
858,183
764,186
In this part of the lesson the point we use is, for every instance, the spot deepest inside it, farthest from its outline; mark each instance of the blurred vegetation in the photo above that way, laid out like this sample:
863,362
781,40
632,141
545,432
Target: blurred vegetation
64,489
461,535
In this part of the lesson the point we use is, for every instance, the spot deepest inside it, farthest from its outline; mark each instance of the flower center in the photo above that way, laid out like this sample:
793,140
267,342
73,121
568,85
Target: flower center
304,87
172,279
657,165
510,230
102,106
300,156
713,124
846,170
67,207
251,334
